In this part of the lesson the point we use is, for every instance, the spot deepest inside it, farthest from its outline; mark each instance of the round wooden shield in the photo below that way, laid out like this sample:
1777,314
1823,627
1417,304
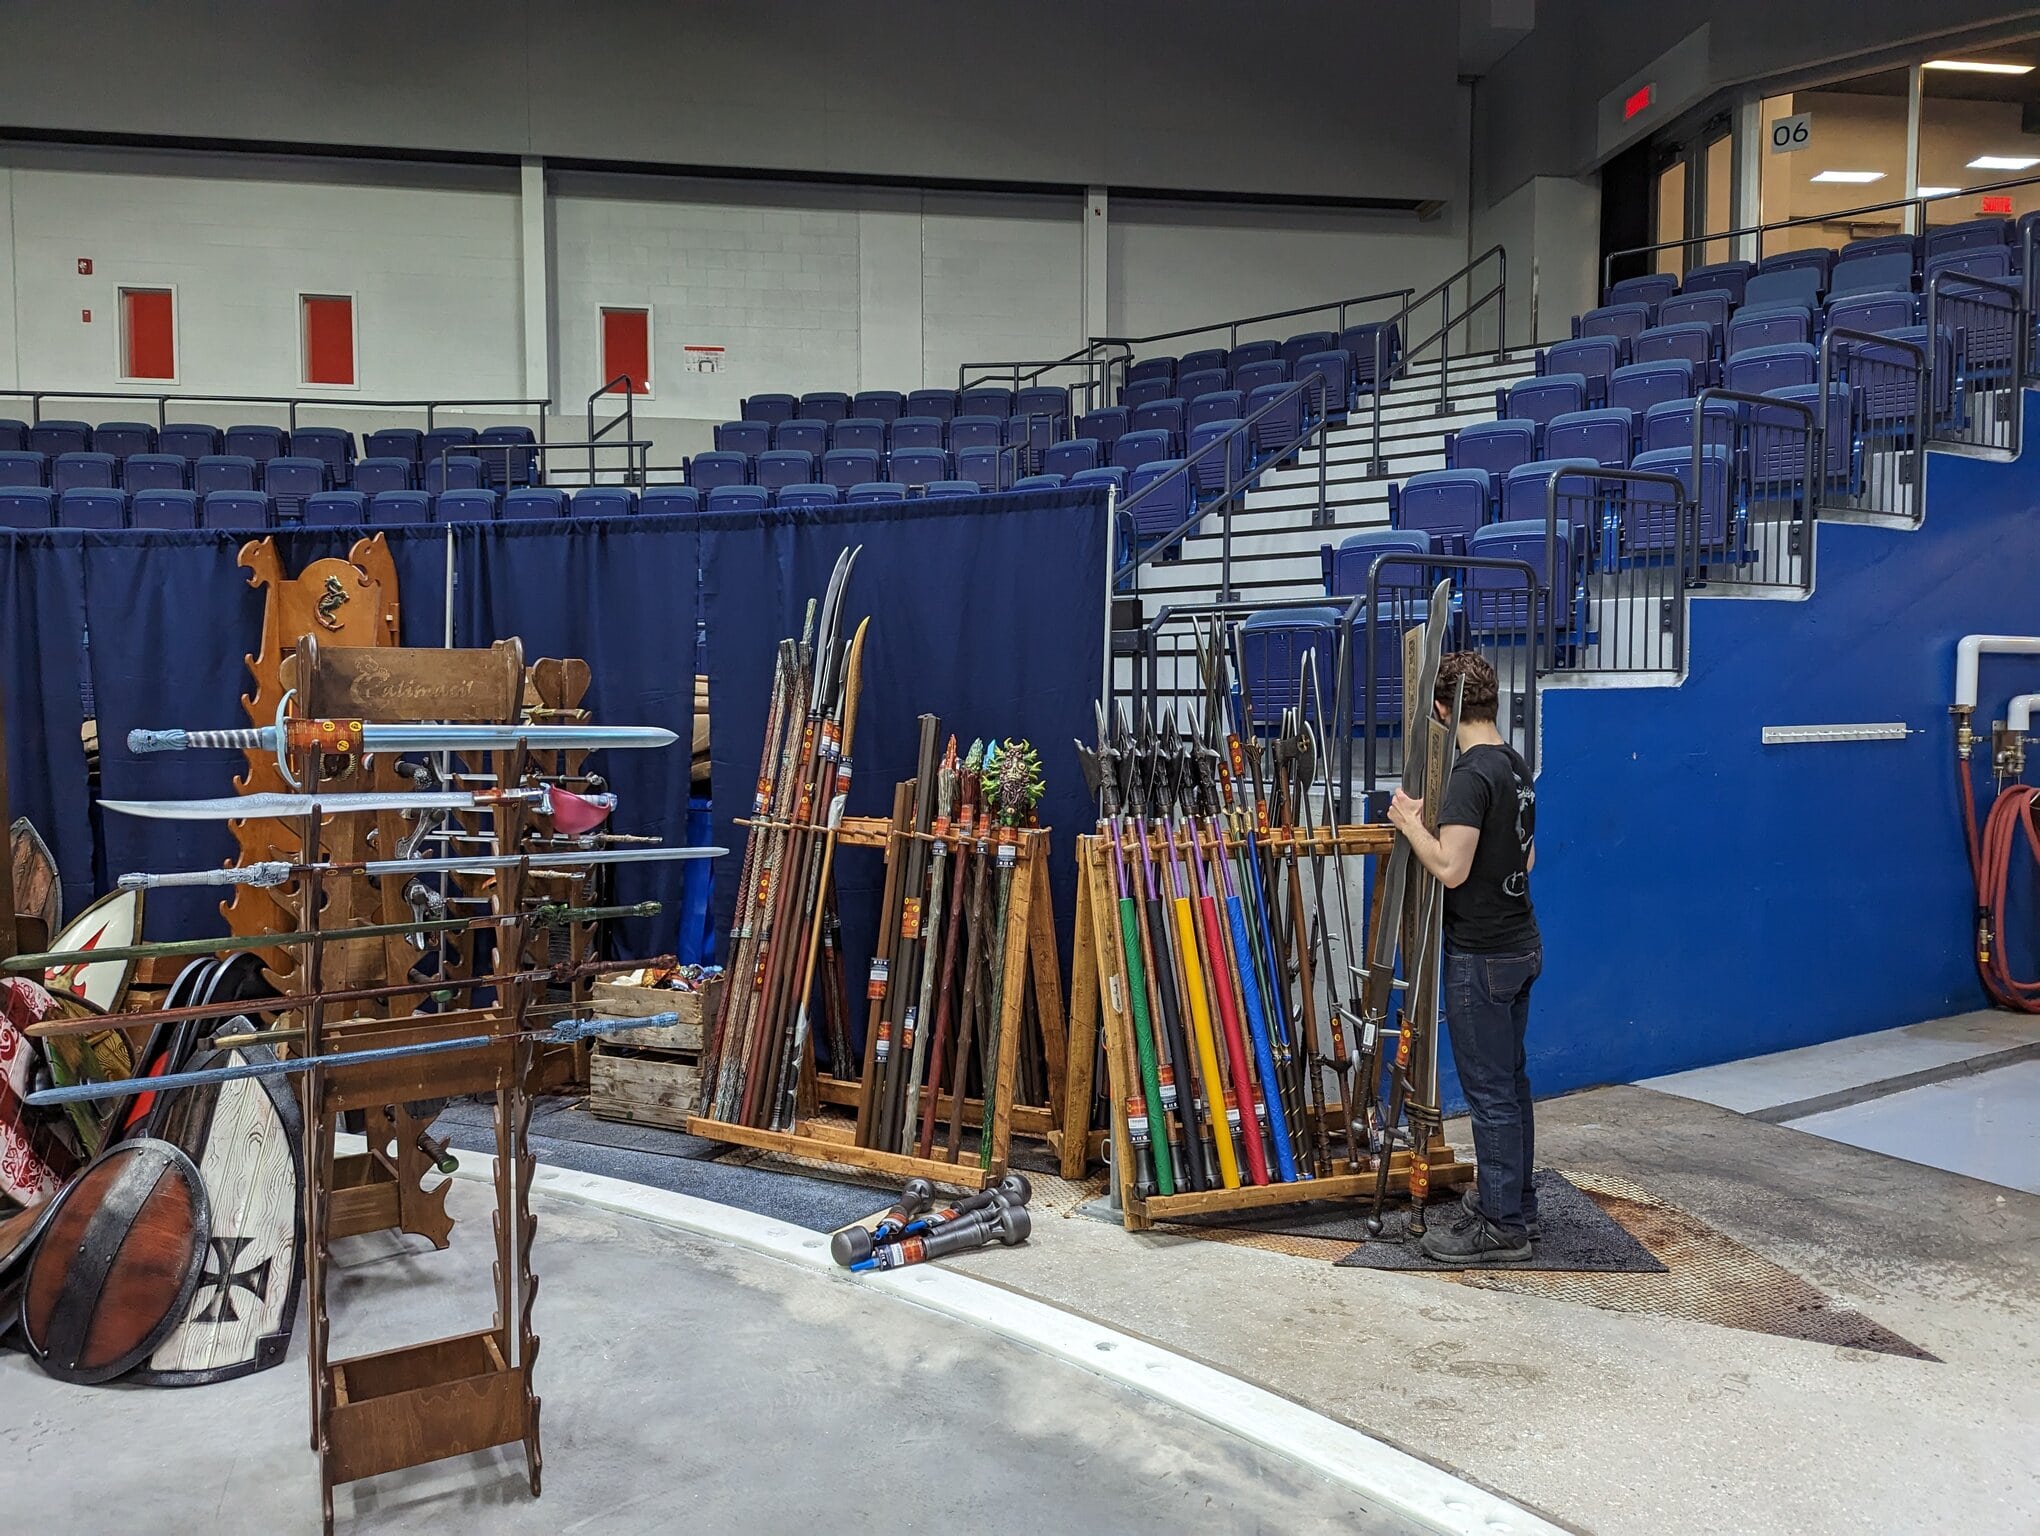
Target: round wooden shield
18,1234
120,1255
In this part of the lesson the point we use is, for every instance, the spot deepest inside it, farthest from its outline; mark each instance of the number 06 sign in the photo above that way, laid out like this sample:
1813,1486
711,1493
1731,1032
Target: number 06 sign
1791,133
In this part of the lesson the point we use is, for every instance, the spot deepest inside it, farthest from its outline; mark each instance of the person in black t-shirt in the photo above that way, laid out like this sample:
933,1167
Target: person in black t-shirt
1483,852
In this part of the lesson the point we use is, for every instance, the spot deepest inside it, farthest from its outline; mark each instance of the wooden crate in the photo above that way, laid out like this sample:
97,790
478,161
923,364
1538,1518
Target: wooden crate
613,1000
643,1087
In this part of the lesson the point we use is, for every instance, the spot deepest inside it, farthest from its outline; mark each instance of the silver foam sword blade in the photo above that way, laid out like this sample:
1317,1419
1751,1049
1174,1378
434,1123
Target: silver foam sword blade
416,738
275,872
543,798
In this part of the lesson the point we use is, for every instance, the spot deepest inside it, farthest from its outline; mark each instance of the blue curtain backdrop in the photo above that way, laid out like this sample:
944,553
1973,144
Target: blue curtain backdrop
988,613
42,688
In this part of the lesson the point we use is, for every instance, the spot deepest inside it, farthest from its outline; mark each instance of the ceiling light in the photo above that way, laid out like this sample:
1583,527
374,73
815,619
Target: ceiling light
1856,177
1936,191
2004,162
1980,67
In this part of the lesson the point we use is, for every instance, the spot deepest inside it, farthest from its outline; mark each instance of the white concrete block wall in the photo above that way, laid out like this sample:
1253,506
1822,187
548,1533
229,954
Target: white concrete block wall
1002,280
432,262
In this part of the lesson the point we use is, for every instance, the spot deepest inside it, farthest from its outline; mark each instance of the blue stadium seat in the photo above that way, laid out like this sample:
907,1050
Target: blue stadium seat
1495,446
1794,287
1164,415
1495,602
939,403
1248,352
1768,368
123,439
163,509
1768,328
980,466
1884,272
1445,506
1526,495
874,490
154,472
374,476
1212,469
918,466
803,434
746,437
1940,356
825,405
13,435
84,472
1273,645
1148,369
441,441
1300,346
1708,309
259,443
1042,482
508,468
463,472
1541,398
27,506
1819,257
50,438
1649,520
940,490
1669,424
1336,369
400,507
1283,423
975,432
1050,400
784,468
985,400
604,501
531,502
1624,322
711,470
886,405
235,509
1781,454
845,467
1103,426
807,496
332,446
1250,376
222,472
1592,358
1689,341
918,432
23,469
669,501
1604,436
1729,277
1348,569
1203,360
1072,456
1653,288
1138,448
1642,385
770,409
95,507
738,498
475,505
1165,508
858,432
406,443
1138,392
289,481
1104,474
1993,261
1970,235
335,509
1203,381
1219,405
1907,246
1375,346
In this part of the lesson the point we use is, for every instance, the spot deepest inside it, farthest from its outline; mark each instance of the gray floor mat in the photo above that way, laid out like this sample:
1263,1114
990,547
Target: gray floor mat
1578,1236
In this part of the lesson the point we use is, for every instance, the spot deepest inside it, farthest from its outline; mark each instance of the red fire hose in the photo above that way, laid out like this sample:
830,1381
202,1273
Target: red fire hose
1990,867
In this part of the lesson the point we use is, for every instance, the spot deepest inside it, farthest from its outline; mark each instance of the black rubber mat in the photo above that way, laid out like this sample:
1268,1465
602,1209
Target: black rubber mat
1578,1237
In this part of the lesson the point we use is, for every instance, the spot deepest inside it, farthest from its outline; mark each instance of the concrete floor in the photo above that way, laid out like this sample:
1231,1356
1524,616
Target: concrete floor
687,1386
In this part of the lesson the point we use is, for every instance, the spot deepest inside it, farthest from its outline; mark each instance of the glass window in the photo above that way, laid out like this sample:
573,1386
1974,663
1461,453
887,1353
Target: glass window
1979,124
1854,156
1718,173
1671,217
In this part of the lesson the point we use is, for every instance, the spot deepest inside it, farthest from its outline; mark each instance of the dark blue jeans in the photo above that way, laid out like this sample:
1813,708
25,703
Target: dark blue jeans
1487,1011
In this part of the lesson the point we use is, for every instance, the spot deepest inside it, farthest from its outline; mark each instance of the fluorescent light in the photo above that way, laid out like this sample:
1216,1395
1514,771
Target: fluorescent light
1979,67
1937,191
1858,178
2004,162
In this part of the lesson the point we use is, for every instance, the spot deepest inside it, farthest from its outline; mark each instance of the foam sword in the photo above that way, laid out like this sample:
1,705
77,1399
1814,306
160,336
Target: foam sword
272,872
572,814
346,737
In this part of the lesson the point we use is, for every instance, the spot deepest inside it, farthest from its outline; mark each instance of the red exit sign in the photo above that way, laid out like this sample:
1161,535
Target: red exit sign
1639,100
2001,203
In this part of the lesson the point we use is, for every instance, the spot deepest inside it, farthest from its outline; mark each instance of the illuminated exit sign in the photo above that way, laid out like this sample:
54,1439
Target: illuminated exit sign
1998,204
1640,100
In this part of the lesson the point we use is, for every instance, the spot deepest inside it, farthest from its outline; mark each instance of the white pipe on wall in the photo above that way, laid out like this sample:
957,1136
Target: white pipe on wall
1975,646
2019,714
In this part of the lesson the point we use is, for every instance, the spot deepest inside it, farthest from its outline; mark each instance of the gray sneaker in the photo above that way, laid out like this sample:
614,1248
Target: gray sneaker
1473,1239
1469,1200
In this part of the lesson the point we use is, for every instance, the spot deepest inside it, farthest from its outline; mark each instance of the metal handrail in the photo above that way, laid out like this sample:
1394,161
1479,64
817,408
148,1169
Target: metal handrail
1082,358
1685,549
627,417
2016,314
1868,341
1232,491
1839,216
449,451
1813,471
35,398
1384,371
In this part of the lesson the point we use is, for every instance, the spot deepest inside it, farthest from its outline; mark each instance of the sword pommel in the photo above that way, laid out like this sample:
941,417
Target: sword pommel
140,741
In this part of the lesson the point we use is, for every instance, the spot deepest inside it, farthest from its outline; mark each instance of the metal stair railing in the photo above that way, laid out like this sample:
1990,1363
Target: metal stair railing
1886,414
626,418
1987,324
292,404
1387,369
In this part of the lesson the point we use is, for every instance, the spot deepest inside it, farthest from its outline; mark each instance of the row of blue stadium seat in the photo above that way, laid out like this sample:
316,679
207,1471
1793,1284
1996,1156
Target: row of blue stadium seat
235,472
888,405
1446,506
811,436
331,446
1340,370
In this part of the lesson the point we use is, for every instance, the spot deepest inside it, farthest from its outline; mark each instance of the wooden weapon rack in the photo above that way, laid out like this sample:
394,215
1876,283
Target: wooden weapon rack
446,1397
1099,987
1031,955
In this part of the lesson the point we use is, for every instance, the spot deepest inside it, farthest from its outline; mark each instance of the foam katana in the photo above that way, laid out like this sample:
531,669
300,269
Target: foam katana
572,814
273,872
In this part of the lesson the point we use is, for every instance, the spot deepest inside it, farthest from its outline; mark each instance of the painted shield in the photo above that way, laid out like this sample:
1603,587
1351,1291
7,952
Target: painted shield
119,1259
112,922
33,1157
18,1236
102,1057
37,891
245,1138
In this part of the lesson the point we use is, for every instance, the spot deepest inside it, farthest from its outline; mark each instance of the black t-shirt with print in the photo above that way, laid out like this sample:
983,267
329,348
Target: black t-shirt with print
1490,912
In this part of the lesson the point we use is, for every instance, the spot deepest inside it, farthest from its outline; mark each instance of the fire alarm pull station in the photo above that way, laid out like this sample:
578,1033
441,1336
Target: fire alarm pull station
84,266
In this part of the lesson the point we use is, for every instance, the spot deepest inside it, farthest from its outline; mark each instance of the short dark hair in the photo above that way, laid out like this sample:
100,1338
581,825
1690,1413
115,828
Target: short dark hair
1482,695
